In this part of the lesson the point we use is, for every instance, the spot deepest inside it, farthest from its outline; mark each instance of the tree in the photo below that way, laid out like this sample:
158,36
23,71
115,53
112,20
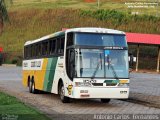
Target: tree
3,15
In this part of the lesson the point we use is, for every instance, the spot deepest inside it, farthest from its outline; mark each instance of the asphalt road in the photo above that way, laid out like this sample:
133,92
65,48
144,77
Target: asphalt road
10,82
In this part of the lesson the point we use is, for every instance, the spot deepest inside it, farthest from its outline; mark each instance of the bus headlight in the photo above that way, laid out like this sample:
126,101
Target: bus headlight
123,84
82,84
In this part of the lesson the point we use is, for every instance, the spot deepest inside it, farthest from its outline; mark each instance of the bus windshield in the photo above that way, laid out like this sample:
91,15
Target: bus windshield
101,63
99,39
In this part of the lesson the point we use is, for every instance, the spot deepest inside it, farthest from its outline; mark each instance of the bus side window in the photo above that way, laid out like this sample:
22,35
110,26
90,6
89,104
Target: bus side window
70,39
52,44
50,47
70,66
39,49
36,50
29,51
58,45
62,45
44,48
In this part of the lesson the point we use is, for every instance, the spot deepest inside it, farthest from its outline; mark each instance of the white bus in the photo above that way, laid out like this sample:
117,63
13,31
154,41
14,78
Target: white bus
78,63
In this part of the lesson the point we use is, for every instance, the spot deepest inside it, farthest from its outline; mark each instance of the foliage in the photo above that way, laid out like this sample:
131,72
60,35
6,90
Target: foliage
3,11
118,17
3,14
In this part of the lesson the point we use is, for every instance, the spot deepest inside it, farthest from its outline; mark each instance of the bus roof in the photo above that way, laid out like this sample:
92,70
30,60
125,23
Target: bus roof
95,30
87,30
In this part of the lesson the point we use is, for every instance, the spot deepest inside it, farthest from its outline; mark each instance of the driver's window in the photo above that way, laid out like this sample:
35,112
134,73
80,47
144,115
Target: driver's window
70,63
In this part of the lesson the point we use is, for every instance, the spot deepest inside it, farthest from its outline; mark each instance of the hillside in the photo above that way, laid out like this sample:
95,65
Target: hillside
30,21
29,24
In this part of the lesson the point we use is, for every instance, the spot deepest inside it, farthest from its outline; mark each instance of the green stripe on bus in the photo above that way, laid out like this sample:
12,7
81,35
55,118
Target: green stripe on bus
49,76
111,81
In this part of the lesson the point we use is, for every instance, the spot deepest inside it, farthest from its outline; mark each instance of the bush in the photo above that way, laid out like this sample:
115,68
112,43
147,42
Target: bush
14,61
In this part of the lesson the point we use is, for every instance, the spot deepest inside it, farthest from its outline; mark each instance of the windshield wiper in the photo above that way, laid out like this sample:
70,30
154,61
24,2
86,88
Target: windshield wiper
100,62
112,68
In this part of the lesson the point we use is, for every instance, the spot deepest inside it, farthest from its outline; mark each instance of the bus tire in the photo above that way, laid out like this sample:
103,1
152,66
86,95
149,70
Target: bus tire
30,85
34,91
63,98
105,100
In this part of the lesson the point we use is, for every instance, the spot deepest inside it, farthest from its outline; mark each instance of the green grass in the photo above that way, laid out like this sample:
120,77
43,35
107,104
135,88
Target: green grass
11,107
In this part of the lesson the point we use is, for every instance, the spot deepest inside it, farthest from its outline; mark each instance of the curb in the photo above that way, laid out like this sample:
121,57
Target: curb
9,65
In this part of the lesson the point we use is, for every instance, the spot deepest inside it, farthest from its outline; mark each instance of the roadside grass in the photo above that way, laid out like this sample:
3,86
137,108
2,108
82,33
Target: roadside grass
12,108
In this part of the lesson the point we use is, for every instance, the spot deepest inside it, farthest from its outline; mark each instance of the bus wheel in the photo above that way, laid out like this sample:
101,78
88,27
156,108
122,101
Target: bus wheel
63,98
33,88
105,100
30,86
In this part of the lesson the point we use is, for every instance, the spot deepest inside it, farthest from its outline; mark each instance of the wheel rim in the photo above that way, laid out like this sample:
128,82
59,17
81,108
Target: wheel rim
32,86
62,93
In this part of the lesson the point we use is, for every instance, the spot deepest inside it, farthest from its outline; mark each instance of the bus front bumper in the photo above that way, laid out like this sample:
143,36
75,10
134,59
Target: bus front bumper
89,92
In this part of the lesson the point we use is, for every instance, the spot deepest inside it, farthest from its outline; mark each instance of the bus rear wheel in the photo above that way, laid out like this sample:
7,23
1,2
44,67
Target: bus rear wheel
63,98
32,87
105,100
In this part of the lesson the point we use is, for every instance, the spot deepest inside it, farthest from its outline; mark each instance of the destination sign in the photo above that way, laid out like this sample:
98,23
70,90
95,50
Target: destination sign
115,48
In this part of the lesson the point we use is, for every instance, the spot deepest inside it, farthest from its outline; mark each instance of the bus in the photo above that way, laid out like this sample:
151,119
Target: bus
78,63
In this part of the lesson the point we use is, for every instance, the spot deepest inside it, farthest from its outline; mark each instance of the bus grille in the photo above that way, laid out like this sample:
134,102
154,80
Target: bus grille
111,84
97,84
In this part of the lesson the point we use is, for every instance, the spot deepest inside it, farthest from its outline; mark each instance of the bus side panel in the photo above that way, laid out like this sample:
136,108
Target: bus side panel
50,73
25,78
59,74
27,73
39,75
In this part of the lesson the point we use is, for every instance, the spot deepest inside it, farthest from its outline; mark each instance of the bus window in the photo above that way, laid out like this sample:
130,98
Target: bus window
70,39
36,50
44,48
62,45
29,51
39,49
32,51
70,63
58,45
52,47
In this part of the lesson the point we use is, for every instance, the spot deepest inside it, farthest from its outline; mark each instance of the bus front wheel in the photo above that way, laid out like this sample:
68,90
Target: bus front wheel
63,98
105,100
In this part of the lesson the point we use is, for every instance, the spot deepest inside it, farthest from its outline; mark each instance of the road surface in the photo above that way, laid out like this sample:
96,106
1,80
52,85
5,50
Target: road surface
10,82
